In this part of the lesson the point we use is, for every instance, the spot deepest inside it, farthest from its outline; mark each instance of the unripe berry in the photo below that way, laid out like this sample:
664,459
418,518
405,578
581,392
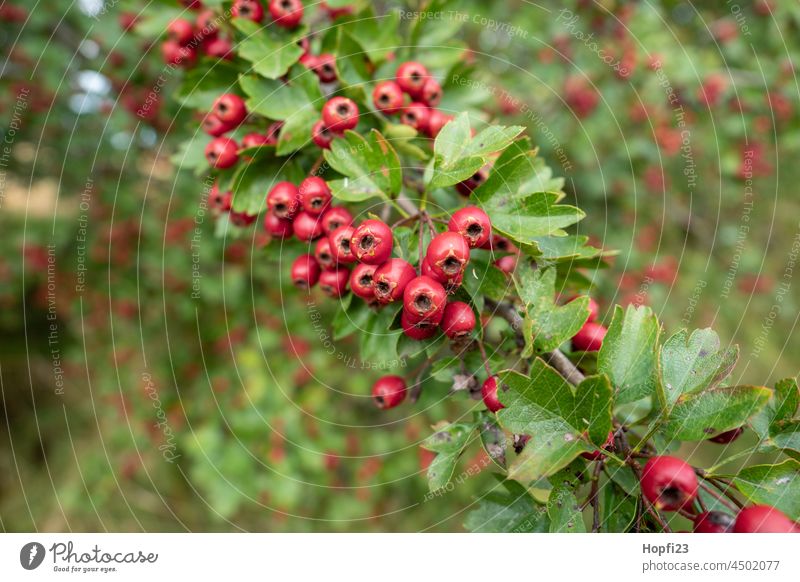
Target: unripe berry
412,76
372,242
447,255
473,224
416,115
727,436
763,519
324,67
589,338
388,97
283,200
334,218
361,281
305,272
424,299
436,121
315,195
323,253
489,394
286,13
472,183
180,30
419,330
669,483
389,391
334,282
391,279
214,126
713,522
431,92
458,320
340,244
340,113
322,135
222,153
307,227
230,109
249,9
278,227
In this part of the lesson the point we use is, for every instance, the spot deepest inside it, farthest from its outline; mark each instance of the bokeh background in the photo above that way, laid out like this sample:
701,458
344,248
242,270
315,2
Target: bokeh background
129,401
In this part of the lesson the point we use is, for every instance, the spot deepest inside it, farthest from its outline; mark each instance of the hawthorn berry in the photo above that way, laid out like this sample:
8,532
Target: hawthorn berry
727,436
669,483
230,109
324,67
242,219
334,218
431,92
180,30
763,519
389,391
412,76
424,299
372,242
323,253
286,13
713,522
206,25
589,338
473,224
340,244
305,272
284,200
416,115
391,279
448,255
219,201
254,140
458,320
178,55
322,135
436,121
220,48
472,183
594,307
388,97
249,9
307,227
361,281
277,226
340,113
315,196
334,282
214,126
222,152
489,394
451,284
417,330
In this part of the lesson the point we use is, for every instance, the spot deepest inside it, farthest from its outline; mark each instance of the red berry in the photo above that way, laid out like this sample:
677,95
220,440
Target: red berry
230,109
389,391
323,253
286,13
450,283
175,54
315,195
472,183
340,244
220,48
322,135
250,9
334,282
361,280
763,519
222,152
424,299
669,483
727,436
412,76
219,201
372,242
417,115
473,224
388,97
334,218
447,255
242,219
417,330
507,264
180,30
458,320
489,394
214,126
436,121
713,522
305,272
307,227
284,200
431,92
391,279
254,140
278,227
595,455
206,24
324,67
340,113
589,338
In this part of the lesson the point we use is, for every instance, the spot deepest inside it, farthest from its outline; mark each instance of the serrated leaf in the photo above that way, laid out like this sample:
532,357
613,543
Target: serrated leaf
378,36
777,424
593,408
296,131
492,437
564,510
775,485
278,100
448,442
200,86
510,511
271,50
370,164
628,354
191,155
700,416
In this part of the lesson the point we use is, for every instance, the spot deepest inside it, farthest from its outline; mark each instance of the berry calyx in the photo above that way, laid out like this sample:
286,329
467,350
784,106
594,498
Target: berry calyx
391,279
489,394
387,97
277,226
764,519
340,114
447,255
283,200
361,281
372,242
340,244
458,320
305,272
307,227
249,9
713,522
424,299
222,152
334,282
669,483
230,109
315,196
589,338
473,224
412,76
334,218
389,391
286,13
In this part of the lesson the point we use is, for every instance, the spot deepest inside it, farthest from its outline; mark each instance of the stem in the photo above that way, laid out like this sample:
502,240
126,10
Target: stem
482,348
722,463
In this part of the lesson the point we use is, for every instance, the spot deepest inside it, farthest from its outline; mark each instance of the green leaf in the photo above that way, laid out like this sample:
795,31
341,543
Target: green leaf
547,325
777,424
370,164
593,407
628,355
564,510
448,442
191,155
691,363
200,86
492,437
617,510
700,416
271,50
775,485
512,511
378,36
296,131
378,340
278,100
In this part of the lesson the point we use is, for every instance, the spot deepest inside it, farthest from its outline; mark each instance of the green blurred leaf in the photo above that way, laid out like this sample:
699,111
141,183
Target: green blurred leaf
512,511
271,50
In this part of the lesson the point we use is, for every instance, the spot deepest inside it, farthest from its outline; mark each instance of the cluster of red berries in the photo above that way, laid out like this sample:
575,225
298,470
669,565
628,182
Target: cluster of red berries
670,484
338,115
285,13
186,39
424,92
